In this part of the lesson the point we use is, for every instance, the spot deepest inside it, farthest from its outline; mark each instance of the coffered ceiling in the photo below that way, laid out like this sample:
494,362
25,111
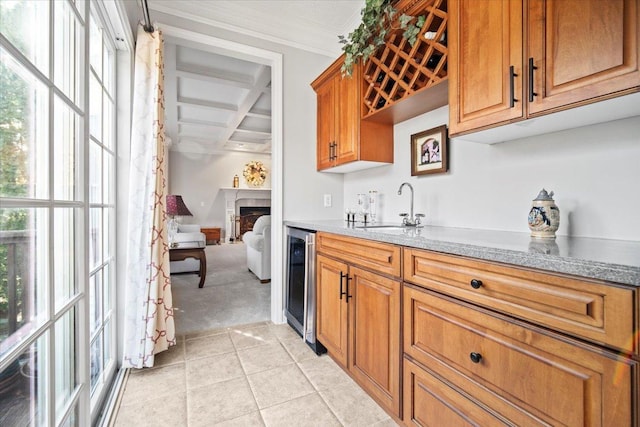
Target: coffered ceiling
217,103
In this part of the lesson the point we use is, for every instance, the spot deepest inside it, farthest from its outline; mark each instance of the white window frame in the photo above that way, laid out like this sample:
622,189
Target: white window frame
82,407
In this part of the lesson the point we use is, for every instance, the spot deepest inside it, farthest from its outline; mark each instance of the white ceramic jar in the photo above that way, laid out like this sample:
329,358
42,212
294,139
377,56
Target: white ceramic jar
544,216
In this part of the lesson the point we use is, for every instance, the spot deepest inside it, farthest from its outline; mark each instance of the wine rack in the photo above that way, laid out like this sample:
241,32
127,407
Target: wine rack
398,70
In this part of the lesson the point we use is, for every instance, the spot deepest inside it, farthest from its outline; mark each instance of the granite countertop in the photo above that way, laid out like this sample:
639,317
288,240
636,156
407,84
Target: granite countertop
612,260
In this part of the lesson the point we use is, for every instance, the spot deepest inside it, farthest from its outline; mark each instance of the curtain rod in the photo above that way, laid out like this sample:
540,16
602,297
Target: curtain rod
147,20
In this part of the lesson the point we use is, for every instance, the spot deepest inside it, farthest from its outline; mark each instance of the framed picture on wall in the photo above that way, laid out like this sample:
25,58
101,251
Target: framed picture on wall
429,151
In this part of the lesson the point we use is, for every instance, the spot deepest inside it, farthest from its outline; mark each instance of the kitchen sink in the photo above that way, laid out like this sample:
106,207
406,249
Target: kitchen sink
388,226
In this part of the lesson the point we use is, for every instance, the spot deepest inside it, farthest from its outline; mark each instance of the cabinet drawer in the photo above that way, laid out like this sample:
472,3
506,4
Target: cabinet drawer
381,257
589,309
431,402
528,375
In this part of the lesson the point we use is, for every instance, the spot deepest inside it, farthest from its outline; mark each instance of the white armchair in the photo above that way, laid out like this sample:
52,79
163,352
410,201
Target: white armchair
188,236
258,243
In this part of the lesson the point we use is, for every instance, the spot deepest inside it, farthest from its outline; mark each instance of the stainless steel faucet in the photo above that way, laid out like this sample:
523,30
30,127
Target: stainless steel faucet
409,219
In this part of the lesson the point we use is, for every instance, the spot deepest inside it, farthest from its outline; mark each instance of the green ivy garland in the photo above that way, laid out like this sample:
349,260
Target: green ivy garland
377,22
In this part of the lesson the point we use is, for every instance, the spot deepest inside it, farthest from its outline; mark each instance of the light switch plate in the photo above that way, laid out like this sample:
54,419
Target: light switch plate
327,200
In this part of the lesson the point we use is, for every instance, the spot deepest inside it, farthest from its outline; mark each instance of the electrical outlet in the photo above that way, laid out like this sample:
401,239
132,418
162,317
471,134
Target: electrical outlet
327,200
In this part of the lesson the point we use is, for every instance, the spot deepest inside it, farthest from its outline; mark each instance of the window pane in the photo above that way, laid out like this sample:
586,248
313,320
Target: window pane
95,300
95,173
66,134
108,354
95,237
108,178
26,25
106,283
107,77
65,363
106,233
80,5
96,48
95,109
108,123
23,388
24,165
63,259
67,48
71,420
23,273
96,362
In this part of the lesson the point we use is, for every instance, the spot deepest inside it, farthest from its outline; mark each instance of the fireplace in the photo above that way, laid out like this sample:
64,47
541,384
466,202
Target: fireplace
249,215
236,198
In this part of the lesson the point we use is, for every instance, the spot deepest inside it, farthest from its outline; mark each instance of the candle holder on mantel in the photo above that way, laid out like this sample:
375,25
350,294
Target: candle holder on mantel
544,216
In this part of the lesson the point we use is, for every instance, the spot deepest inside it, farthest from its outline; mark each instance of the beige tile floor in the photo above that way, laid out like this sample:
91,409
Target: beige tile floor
253,375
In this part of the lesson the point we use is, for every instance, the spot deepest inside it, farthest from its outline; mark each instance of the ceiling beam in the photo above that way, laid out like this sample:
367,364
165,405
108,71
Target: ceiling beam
192,102
262,80
213,75
202,123
259,114
254,132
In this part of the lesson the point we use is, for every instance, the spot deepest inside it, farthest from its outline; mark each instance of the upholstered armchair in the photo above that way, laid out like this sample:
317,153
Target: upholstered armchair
187,236
258,243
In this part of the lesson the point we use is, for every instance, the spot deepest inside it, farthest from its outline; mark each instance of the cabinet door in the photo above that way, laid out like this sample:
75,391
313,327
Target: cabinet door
583,49
486,41
374,351
331,307
326,98
348,117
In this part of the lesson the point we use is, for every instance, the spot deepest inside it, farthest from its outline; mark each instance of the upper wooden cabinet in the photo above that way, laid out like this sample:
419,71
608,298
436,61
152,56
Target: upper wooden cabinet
579,50
345,142
515,59
485,47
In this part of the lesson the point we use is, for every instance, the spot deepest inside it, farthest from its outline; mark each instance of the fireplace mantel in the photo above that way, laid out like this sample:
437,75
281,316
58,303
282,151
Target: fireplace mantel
246,193
231,196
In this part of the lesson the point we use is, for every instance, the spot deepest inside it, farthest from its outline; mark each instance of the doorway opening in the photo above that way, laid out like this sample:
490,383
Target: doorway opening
273,61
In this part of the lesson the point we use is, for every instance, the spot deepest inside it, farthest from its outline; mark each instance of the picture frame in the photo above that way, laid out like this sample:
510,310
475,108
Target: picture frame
430,151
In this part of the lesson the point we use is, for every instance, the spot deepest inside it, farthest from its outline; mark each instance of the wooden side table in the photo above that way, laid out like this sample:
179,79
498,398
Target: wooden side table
212,235
179,254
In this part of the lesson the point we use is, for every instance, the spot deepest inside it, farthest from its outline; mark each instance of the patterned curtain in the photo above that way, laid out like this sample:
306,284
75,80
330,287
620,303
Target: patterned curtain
149,327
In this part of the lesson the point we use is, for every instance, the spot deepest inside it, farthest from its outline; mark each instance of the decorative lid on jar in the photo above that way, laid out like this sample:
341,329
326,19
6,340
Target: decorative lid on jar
544,216
543,195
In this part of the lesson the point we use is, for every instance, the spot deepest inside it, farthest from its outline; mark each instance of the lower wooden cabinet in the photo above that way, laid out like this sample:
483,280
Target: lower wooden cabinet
450,341
527,376
358,321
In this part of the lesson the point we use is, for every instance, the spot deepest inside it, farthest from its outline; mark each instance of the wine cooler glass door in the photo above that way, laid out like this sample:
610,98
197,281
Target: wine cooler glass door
296,275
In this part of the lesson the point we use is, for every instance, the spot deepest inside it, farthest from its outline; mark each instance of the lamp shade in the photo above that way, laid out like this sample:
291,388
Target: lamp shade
175,206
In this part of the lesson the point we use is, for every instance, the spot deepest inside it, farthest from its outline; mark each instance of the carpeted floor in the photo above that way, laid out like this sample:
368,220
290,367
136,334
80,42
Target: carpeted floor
231,296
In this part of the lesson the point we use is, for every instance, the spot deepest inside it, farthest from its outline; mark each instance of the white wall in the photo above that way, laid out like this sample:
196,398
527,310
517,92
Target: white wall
199,177
302,198
594,171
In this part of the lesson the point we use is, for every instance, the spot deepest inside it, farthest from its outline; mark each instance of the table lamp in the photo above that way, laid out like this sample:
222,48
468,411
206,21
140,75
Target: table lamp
175,207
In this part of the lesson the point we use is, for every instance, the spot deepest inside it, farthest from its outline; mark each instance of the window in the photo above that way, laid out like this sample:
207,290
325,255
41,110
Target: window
57,212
